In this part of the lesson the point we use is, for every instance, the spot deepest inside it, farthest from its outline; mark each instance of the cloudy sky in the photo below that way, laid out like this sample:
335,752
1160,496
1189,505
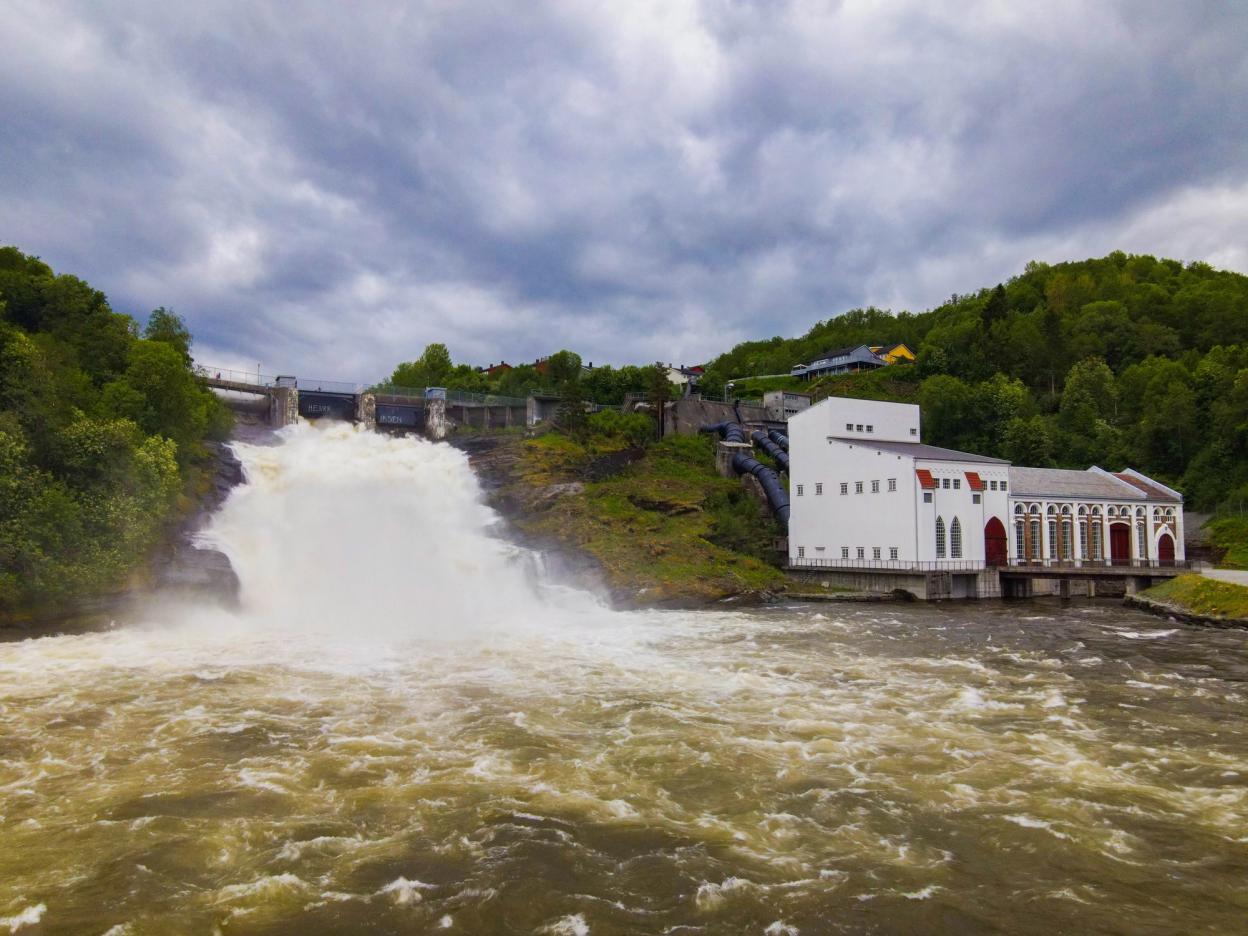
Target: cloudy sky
324,188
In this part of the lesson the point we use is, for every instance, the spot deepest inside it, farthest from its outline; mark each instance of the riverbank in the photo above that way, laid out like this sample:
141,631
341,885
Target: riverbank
1196,599
173,565
653,526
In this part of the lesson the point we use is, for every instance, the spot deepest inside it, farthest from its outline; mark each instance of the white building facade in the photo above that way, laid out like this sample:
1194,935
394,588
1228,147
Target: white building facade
866,492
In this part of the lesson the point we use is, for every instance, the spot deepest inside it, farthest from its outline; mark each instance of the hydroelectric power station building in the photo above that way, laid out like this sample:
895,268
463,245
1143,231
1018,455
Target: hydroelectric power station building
871,501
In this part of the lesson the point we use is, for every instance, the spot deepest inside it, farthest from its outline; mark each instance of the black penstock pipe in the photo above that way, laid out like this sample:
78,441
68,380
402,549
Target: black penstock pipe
777,496
779,438
781,457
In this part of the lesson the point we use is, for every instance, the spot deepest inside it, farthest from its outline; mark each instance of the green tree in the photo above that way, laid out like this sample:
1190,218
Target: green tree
166,326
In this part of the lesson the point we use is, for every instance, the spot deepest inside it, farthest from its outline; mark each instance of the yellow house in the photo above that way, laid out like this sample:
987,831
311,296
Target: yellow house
894,354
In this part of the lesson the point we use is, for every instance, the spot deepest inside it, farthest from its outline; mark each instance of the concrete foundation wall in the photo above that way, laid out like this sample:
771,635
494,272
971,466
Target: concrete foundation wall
283,407
686,417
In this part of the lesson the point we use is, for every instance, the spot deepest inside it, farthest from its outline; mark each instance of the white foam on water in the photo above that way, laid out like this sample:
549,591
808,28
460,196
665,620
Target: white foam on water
28,917
573,925
403,892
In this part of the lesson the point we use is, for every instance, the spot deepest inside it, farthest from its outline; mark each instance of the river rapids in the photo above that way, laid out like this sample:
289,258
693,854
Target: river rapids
407,728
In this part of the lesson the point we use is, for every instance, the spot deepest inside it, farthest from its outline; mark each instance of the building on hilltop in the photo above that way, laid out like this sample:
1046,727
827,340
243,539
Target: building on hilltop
839,361
898,353
866,492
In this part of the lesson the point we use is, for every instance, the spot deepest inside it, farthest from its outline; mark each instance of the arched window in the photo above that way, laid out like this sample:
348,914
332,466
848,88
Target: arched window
1034,527
940,538
955,539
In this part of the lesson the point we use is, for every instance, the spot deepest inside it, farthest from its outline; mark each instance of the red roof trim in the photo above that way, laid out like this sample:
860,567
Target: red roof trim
975,481
926,481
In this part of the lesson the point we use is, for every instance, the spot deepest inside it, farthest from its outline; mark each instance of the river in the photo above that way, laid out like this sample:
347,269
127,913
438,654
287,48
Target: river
406,728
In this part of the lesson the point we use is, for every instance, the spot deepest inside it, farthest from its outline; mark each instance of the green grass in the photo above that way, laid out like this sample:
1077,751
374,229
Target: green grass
667,524
1201,595
1231,534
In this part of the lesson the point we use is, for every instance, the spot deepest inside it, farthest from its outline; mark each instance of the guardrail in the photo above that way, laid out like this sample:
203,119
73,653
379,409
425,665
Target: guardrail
1102,564
254,378
892,565
979,565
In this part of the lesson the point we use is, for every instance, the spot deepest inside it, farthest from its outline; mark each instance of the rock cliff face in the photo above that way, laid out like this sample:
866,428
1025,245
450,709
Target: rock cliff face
190,571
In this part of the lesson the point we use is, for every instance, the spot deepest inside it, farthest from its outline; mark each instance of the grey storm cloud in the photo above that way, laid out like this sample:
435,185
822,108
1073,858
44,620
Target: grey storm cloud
325,188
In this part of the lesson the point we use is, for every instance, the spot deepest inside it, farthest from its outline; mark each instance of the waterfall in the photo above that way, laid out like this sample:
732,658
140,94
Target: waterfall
345,531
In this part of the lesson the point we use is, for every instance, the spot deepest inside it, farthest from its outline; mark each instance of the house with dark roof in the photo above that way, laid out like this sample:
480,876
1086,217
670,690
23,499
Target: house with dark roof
839,361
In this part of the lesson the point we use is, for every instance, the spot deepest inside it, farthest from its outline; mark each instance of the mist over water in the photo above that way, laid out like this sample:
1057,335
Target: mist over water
405,728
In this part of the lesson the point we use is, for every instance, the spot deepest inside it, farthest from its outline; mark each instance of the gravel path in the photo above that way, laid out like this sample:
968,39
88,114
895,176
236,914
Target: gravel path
1227,575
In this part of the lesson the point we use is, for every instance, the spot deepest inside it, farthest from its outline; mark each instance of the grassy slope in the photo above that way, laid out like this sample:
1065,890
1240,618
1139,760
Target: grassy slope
666,527
1231,534
1200,595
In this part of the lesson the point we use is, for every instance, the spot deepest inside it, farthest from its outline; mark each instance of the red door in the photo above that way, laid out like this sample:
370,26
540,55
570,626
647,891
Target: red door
996,552
1165,549
1119,544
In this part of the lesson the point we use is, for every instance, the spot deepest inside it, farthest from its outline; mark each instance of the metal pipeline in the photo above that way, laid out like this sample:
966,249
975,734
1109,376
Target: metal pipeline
781,457
779,438
742,464
777,496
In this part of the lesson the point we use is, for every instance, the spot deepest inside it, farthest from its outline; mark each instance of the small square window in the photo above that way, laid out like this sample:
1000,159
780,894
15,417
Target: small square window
1003,485
818,487
849,427
944,483
974,498
914,432
892,484
862,553
957,484
870,428
875,487
892,552
844,552
844,487
858,428
927,497
857,487
875,552
800,490
801,552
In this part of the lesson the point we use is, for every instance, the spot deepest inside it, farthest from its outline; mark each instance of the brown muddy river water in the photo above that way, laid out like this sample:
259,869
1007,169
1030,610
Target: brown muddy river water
401,733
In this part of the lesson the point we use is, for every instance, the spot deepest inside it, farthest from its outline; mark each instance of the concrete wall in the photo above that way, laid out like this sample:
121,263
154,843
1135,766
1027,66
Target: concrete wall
840,417
824,523
686,417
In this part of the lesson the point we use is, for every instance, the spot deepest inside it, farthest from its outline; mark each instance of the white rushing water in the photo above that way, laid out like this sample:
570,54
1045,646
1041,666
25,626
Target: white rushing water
406,728
359,534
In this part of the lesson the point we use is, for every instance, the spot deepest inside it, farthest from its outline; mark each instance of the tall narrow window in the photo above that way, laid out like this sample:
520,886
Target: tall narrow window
940,538
892,484
818,487
875,487
1096,538
1141,540
799,490
1035,537
1083,538
844,487
801,552
844,552
1066,544
1052,538
857,487
1020,544
955,539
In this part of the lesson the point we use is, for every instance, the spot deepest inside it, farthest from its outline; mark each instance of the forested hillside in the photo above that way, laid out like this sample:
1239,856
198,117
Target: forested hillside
100,433
1119,360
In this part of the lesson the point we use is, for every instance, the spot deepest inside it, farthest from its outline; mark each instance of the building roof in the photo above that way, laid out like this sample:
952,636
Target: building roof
922,450
1151,492
1066,482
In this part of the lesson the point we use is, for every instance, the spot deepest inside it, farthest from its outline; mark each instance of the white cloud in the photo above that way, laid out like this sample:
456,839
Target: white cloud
328,188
